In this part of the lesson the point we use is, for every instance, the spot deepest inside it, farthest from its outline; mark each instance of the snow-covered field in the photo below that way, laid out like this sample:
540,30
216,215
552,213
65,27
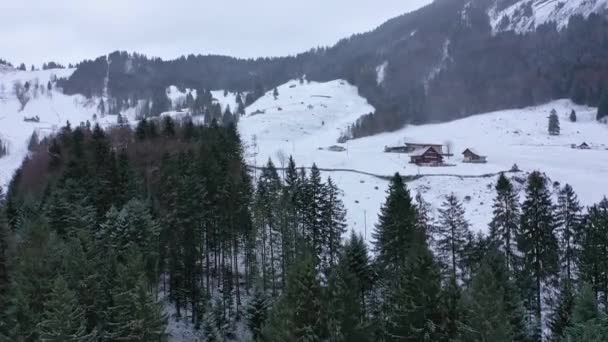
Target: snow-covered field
53,108
313,116
305,119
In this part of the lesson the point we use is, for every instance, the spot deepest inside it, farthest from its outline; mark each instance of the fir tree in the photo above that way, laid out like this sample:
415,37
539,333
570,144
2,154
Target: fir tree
396,229
554,128
63,318
168,126
602,108
346,312
561,318
573,116
275,93
594,244
257,313
588,323
568,229
134,315
333,224
505,222
300,308
538,244
452,232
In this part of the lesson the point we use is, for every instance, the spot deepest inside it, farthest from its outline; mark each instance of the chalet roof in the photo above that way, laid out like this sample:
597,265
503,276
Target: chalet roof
473,151
421,151
421,144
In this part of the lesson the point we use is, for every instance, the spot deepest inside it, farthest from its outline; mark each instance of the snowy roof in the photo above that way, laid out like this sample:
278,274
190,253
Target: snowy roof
421,151
475,152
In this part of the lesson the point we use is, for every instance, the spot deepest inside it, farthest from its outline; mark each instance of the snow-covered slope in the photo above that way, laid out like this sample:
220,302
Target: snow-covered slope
507,137
526,15
53,108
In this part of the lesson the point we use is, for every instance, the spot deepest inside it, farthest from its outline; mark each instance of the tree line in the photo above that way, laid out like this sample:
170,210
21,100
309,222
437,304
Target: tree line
110,235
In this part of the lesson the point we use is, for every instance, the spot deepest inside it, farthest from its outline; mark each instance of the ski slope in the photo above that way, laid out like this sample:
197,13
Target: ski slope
314,115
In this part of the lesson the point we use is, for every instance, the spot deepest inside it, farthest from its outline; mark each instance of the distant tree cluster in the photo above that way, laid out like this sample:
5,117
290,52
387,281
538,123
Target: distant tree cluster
52,65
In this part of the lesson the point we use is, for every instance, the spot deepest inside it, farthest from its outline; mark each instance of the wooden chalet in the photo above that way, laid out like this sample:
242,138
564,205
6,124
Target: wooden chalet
427,156
472,156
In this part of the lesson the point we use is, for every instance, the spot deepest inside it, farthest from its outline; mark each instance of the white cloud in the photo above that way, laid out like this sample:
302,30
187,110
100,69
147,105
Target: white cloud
36,31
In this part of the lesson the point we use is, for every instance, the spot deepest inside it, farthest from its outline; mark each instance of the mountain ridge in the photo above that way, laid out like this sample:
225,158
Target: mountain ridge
443,61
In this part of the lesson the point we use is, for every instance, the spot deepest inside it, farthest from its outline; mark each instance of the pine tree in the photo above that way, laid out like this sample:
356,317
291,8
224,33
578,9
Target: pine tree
594,244
538,244
63,318
452,232
209,331
554,128
302,305
345,310
397,229
168,126
602,108
257,313
275,93
134,315
487,314
561,318
573,116
313,193
505,222
412,310
356,255
568,229
333,224
588,323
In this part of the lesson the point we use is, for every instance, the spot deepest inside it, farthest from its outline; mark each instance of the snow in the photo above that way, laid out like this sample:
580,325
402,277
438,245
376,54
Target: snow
544,11
516,136
53,109
381,73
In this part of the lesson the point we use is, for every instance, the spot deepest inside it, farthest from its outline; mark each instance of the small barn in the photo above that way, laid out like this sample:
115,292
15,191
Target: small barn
472,156
584,146
428,156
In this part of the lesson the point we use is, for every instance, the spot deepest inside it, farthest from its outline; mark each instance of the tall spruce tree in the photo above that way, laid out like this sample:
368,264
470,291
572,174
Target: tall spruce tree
333,224
594,244
396,229
539,246
505,222
568,229
452,231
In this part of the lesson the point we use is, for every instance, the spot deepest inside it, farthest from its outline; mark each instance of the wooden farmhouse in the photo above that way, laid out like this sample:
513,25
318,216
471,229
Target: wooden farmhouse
472,156
427,156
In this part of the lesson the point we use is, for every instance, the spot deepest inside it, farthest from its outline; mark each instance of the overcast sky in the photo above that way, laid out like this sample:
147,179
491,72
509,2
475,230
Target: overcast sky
36,31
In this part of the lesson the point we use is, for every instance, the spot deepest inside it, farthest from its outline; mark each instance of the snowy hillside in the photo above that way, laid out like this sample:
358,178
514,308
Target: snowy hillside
526,15
51,107
312,117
